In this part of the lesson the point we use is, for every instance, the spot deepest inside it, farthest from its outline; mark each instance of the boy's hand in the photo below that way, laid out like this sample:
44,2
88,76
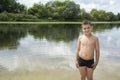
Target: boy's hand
77,65
94,65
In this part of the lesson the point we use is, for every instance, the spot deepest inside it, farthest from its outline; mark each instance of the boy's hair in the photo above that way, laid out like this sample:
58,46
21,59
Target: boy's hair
86,22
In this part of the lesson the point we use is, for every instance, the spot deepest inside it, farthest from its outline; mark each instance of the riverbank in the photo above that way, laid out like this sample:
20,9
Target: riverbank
6,22
56,74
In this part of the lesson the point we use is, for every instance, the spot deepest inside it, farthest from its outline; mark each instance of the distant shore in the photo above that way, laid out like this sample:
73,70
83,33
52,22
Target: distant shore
58,22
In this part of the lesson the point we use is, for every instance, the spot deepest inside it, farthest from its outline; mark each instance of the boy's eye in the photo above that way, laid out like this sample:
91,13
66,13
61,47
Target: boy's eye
84,28
88,27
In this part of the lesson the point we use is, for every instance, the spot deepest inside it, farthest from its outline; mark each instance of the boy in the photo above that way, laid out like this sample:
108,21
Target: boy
87,44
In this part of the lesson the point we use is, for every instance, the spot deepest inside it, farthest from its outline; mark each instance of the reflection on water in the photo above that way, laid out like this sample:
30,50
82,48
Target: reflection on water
39,52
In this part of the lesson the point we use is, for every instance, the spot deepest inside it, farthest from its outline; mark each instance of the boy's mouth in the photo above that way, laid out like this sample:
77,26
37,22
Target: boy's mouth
86,31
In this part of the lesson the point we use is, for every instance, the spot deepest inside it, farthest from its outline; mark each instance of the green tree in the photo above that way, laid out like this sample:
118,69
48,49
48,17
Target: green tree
71,11
50,7
109,16
94,14
35,10
101,15
58,9
84,15
11,6
118,15
20,8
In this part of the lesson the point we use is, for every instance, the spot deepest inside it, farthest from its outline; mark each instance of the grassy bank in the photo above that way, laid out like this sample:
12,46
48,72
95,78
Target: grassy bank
20,22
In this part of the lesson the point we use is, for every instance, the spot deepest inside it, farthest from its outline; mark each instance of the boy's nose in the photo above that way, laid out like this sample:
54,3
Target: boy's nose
86,30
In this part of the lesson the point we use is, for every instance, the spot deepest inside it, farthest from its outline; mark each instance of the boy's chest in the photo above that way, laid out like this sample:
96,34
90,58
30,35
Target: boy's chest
87,42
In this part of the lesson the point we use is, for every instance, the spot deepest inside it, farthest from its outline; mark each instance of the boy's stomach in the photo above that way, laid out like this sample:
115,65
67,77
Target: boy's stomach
86,54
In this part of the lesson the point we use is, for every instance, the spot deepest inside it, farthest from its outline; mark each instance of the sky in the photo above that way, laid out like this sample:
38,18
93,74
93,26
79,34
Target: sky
107,5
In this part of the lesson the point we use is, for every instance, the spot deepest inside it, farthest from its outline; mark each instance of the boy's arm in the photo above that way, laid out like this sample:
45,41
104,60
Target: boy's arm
97,51
77,51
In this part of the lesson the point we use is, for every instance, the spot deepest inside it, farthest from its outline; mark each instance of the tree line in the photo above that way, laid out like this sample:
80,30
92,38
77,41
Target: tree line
11,10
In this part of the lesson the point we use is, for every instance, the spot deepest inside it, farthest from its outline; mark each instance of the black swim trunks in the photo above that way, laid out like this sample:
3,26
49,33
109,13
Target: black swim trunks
87,63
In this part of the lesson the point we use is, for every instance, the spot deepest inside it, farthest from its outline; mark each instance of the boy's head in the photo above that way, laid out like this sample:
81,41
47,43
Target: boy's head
86,27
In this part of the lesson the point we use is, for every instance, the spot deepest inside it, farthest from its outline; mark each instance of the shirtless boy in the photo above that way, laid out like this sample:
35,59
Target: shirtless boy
87,45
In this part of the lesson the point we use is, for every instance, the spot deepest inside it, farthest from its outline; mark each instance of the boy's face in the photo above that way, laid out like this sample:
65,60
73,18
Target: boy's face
87,29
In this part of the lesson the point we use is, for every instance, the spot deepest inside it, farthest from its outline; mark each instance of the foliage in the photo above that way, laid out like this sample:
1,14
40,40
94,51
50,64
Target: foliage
5,16
11,10
12,6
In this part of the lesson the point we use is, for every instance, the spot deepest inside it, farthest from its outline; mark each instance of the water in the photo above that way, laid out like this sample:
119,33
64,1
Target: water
47,52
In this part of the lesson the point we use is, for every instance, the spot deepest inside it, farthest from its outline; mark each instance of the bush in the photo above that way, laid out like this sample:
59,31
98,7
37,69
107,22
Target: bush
4,16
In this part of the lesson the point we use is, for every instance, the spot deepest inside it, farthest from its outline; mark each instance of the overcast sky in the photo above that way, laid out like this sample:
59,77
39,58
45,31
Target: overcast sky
107,5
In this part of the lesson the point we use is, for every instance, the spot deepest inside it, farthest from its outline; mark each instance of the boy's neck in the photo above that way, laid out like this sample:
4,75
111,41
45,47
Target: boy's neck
88,35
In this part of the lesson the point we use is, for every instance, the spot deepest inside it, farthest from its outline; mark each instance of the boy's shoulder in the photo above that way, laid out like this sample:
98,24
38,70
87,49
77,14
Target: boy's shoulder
95,37
80,36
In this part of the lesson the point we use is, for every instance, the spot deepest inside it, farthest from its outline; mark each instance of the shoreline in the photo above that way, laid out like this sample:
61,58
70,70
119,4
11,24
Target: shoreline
58,22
